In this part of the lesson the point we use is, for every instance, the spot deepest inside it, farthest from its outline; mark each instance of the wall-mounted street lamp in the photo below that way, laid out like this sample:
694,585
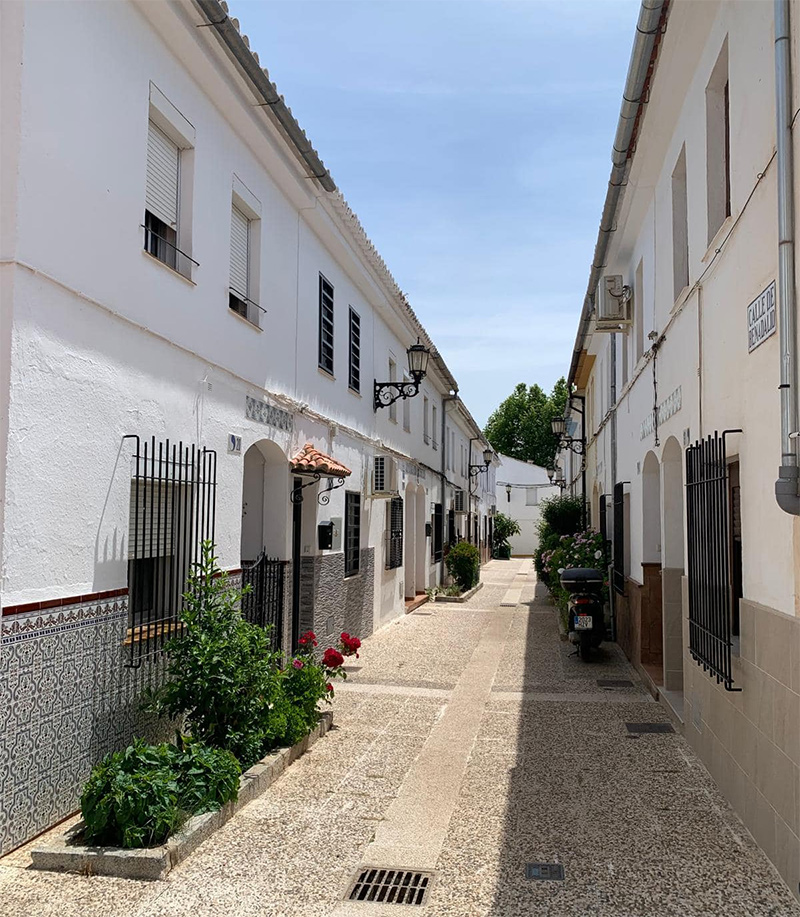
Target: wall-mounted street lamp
475,470
387,393
551,473
559,427
508,492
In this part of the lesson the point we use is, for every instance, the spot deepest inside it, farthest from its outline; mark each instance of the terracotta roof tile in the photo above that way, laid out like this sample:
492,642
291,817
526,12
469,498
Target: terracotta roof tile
311,461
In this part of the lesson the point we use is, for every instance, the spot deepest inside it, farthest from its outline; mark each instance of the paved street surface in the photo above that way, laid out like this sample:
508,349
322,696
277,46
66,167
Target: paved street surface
468,743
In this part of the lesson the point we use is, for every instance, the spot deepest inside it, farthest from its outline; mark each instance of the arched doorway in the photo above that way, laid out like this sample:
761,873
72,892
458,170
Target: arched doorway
672,562
652,628
264,536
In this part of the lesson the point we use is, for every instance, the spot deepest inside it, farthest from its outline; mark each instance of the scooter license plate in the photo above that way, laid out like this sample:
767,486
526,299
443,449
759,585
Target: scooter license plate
583,622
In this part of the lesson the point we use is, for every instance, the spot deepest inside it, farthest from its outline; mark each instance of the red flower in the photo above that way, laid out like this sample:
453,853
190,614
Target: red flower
297,663
332,658
329,687
309,638
349,646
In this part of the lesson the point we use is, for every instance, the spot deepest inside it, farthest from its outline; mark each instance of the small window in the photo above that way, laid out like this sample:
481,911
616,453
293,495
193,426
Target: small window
161,198
680,227
638,314
394,533
718,145
437,542
426,437
531,496
434,428
325,325
352,533
355,351
239,299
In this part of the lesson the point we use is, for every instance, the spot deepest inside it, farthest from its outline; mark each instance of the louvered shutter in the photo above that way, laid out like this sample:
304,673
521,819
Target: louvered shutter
150,528
162,176
240,231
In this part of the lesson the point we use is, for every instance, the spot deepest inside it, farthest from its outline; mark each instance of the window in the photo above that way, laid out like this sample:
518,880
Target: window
240,262
437,542
426,437
325,325
394,533
393,378
406,408
354,372
531,496
638,307
352,533
680,227
161,196
434,428
452,538
718,145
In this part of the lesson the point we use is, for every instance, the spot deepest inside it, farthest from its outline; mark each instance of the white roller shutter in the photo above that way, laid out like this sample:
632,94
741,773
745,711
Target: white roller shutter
150,528
240,228
162,176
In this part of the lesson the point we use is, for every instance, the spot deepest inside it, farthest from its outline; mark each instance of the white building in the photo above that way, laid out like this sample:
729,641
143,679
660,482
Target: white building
686,356
521,488
187,301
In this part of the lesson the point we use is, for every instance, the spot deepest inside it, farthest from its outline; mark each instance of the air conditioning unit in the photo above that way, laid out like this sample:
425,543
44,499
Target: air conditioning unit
459,502
613,302
384,476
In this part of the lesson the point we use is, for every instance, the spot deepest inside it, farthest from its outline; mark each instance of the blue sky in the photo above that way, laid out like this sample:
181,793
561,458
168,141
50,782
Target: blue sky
473,140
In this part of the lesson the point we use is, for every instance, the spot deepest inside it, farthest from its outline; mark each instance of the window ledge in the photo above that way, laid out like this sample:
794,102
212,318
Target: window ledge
172,270
247,321
354,391
714,244
325,373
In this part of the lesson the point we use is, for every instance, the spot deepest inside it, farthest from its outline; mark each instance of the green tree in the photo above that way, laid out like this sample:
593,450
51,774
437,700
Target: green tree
520,427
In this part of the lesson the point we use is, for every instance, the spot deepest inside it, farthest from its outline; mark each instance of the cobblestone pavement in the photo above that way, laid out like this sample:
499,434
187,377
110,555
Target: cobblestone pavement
468,742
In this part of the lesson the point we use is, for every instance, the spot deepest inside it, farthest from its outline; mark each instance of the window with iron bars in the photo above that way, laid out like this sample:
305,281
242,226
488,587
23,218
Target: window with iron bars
352,533
172,511
355,351
325,357
394,533
437,542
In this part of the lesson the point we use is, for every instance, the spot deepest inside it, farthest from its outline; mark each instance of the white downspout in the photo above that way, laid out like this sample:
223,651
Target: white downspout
787,489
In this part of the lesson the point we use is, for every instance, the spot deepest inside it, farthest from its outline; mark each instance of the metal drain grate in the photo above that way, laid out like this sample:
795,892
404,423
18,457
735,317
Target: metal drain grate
390,886
545,871
649,727
614,683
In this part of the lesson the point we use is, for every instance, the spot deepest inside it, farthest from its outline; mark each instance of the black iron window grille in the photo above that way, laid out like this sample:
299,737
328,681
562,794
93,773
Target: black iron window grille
172,511
452,538
394,533
262,603
352,533
325,325
618,572
355,351
708,521
438,532
160,241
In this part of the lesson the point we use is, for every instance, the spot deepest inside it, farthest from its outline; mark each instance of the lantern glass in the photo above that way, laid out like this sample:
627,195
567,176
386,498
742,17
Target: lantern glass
551,473
487,456
508,489
418,361
558,425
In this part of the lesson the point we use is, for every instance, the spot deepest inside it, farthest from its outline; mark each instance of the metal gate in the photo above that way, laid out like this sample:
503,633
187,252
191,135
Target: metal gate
708,528
263,603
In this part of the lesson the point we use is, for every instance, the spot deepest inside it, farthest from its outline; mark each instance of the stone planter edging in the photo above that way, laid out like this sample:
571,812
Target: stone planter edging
63,855
459,598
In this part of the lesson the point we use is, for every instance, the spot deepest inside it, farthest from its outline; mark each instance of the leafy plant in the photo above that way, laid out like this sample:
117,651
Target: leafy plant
504,527
562,515
520,426
222,674
139,796
306,682
585,549
464,564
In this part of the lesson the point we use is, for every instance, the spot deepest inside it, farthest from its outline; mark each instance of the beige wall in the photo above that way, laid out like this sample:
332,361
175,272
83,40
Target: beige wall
750,739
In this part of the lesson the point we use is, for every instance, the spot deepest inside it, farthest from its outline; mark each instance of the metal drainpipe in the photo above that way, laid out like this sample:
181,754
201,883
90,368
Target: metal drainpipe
787,493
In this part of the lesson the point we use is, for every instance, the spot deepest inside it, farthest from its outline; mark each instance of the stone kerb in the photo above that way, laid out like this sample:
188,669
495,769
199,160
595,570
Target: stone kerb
459,598
65,854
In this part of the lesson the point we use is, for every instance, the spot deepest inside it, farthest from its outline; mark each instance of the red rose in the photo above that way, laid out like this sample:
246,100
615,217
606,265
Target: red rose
329,687
332,658
349,645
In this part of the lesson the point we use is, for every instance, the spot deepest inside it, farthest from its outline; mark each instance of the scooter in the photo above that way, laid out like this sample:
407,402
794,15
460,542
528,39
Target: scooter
585,610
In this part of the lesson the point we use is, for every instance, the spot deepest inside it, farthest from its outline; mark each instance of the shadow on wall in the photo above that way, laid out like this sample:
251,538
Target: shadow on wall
111,540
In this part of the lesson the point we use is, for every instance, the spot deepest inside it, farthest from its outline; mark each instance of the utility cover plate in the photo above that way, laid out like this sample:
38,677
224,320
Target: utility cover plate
649,727
545,871
390,886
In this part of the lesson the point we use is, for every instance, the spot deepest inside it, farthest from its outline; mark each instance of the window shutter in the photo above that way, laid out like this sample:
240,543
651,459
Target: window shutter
162,176
150,529
240,234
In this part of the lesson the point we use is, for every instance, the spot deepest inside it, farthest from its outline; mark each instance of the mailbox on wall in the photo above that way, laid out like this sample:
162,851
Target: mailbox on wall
325,536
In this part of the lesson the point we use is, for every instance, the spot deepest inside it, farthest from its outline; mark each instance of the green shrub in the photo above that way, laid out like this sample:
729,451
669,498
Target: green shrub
502,529
464,564
222,674
304,685
563,515
138,797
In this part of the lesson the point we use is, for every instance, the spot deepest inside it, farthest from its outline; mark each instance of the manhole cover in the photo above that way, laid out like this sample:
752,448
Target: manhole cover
544,871
390,886
614,683
649,727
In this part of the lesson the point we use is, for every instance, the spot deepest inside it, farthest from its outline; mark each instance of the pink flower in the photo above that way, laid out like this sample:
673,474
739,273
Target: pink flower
297,663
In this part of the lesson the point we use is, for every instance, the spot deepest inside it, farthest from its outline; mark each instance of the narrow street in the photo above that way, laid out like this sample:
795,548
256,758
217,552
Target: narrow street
468,742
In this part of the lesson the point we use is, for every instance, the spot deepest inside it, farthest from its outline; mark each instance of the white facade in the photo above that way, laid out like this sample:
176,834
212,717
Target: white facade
696,243
101,339
529,486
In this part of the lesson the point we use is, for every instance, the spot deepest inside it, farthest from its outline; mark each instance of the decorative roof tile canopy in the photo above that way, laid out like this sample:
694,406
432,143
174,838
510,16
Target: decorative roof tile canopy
310,460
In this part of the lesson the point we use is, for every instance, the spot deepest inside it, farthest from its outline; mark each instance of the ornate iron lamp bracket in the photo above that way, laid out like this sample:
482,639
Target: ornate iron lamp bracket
387,393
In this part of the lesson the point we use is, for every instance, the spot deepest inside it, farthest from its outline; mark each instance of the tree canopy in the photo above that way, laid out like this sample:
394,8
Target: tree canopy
520,426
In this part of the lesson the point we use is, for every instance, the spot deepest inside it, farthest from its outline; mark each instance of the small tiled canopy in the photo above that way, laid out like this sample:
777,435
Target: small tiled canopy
311,461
